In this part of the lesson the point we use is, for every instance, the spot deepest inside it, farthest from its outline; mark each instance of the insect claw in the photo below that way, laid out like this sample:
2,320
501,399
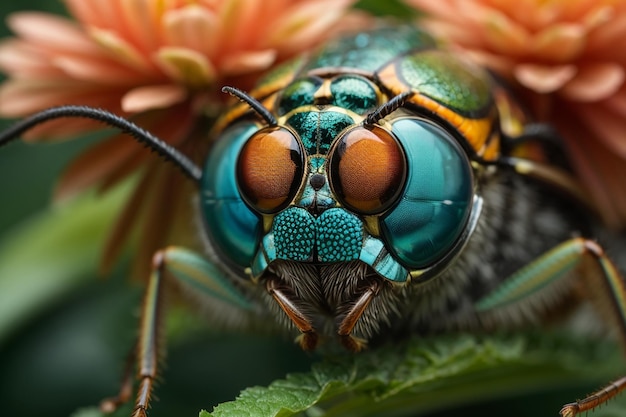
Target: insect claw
140,412
109,405
308,341
569,410
353,344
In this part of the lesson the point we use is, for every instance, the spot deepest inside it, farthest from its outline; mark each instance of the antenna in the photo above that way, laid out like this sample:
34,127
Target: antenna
387,108
253,103
170,154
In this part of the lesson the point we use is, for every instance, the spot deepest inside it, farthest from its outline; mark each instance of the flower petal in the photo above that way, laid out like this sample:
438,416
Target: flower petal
602,170
22,97
186,66
22,60
141,23
606,126
297,30
247,62
152,97
120,49
192,27
505,35
19,98
441,8
96,13
453,34
543,78
96,71
55,32
242,22
595,82
609,28
559,43
91,166
617,102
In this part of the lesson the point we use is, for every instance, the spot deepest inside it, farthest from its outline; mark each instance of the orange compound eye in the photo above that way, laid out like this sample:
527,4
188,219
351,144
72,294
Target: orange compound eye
367,169
270,169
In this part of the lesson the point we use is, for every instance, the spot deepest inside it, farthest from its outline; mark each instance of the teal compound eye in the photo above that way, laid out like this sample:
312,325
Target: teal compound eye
232,227
433,210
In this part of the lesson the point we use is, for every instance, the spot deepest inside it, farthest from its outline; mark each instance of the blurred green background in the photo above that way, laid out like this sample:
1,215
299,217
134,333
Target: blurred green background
67,346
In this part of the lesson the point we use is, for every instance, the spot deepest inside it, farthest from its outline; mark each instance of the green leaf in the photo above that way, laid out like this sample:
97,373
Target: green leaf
46,257
421,376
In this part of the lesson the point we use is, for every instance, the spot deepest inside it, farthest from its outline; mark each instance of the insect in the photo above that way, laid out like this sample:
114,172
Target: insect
374,188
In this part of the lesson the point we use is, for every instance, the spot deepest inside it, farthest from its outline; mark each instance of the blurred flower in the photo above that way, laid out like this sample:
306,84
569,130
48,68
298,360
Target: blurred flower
571,55
160,63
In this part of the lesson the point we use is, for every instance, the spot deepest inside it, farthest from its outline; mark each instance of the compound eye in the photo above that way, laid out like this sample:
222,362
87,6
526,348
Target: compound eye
367,169
270,169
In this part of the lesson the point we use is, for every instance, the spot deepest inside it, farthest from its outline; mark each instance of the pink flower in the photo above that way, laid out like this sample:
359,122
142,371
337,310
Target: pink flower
571,55
161,63
145,54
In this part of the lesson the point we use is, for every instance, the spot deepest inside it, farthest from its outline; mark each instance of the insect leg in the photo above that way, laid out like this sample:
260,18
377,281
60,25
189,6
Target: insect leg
349,321
602,282
594,400
308,339
149,343
109,405
550,175
188,269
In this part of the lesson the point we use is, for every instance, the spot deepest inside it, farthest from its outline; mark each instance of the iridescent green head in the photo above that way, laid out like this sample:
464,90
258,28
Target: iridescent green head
337,174
346,176
320,186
